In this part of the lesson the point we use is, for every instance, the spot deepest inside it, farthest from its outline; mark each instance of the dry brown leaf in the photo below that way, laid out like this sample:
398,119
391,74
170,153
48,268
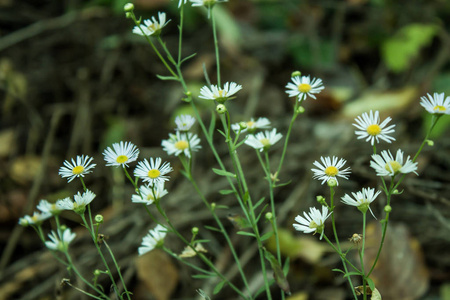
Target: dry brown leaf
25,168
400,272
298,296
157,272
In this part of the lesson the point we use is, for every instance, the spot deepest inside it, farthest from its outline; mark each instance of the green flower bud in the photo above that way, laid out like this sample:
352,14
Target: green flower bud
296,73
269,216
213,206
332,182
99,219
97,272
387,208
321,200
300,110
242,125
194,230
129,7
430,143
221,109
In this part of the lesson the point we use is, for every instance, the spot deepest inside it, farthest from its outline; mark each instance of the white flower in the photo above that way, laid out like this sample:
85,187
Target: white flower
181,2
252,125
313,221
263,140
370,128
361,199
36,219
78,168
148,194
153,172
207,3
47,207
220,95
121,154
181,143
303,86
153,239
386,165
80,203
60,245
184,122
330,169
436,104
153,26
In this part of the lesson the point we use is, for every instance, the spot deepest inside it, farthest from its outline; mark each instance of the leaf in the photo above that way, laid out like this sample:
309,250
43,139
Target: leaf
352,274
246,233
338,270
203,276
187,58
399,50
160,77
278,273
261,212
371,284
218,287
239,221
226,192
266,236
223,173
259,203
286,266
212,228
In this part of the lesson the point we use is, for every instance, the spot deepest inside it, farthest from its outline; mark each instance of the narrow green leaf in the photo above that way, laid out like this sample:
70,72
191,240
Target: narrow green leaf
222,133
259,203
371,284
286,266
338,270
167,77
226,192
278,273
283,184
212,228
239,221
187,58
202,241
218,287
222,206
352,274
246,233
261,212
203,276
223,173
266,236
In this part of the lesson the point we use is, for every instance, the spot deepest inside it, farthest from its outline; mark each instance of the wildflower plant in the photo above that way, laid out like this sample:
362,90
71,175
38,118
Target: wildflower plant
150,175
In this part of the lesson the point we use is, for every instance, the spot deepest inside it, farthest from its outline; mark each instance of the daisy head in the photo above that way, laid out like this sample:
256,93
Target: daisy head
436,104
214,92
47,207
181,143
361,199
79,204
121,154
386,165
371,129
252,125
302,87
60,244
154,239
152,27
312,222
78,168
149,194
36,219
263,140
153,171
184,122
330,169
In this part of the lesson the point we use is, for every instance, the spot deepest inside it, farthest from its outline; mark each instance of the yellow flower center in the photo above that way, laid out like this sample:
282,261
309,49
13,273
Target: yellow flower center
304,87
374,129
150,197
78,170
331,171
121,159
395,166
312,224
34,218
265,142
439,108
153,173
221,94
250,124
181,145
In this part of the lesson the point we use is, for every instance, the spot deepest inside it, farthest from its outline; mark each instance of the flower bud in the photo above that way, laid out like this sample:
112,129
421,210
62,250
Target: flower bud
194,230
221,109
129,7
430,143
97,272
321,200
332,182
387,208
269,216
99,219
243,125
296,73
213,206
300,110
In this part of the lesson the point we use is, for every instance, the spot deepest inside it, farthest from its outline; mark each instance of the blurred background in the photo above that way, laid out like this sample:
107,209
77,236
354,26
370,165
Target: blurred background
74,79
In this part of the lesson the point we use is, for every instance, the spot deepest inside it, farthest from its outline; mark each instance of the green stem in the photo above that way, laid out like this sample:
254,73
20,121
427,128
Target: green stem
216,46
361,256
118,269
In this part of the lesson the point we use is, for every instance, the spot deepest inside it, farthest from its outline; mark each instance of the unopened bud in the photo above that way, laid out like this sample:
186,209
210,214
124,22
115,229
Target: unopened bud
269,216
332,182
97,272
387,208
129,7
321,200
243,125
221,109
430,143
300,110
194,230
296,73
99,219
213,206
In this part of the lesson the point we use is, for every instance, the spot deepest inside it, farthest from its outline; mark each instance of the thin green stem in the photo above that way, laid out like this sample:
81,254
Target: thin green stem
361,256
216,46
117,268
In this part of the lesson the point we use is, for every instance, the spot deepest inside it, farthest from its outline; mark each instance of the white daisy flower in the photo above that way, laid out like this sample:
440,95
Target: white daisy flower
303,86
207,3
149,194
220,95
330,168
370,128
154,238
153,172
181,2
77,168
386,165
181,143
36,219
252,125
121,154
184,122
361,199
47,207
60,244
153,26
314,221
436,104
263,140
80,203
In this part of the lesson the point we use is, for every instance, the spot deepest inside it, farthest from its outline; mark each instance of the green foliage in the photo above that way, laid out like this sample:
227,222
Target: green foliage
399,50
306,55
